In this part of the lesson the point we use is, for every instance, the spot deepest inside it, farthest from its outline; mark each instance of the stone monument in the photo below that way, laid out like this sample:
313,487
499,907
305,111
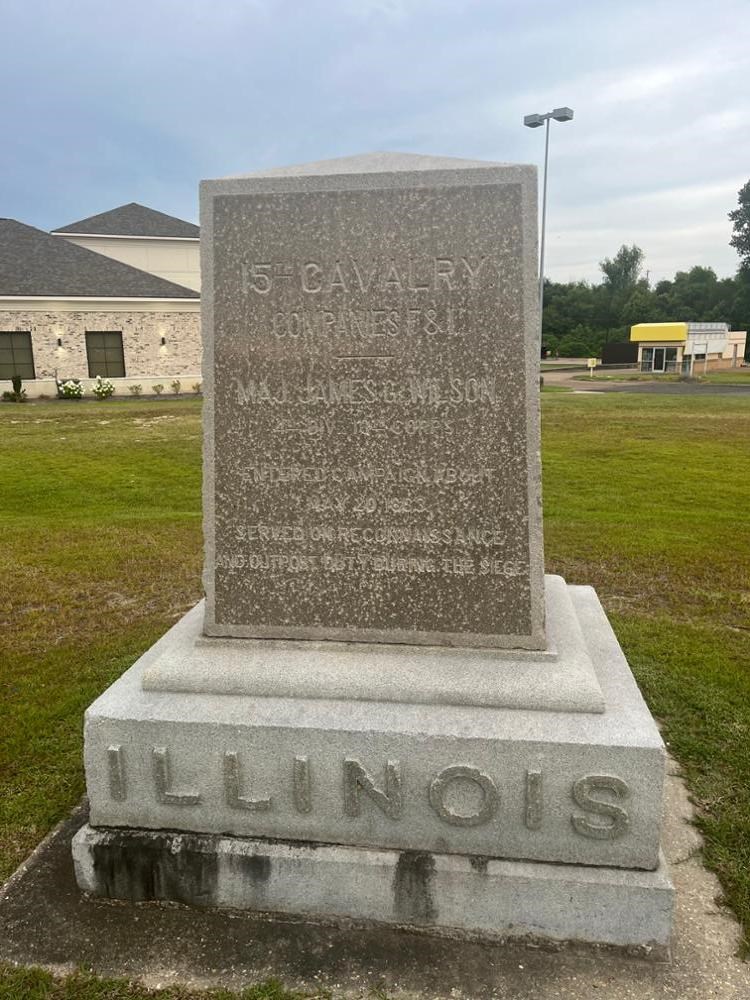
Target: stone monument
384,710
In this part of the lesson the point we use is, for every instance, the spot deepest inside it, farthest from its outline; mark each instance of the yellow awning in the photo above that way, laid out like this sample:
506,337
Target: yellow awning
658,332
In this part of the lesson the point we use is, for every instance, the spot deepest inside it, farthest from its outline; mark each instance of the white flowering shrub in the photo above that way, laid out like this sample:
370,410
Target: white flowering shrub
71,388
102,388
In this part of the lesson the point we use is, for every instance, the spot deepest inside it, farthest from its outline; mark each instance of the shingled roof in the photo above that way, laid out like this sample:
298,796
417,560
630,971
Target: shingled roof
132,220
34,263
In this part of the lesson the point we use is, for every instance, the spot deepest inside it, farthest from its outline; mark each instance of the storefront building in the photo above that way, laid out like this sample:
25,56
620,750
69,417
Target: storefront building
687,348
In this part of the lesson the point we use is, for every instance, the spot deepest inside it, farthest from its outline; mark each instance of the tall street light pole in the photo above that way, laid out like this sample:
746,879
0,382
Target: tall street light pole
536,121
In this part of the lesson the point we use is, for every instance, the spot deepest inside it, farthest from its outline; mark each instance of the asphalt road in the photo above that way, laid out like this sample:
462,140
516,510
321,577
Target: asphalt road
664,388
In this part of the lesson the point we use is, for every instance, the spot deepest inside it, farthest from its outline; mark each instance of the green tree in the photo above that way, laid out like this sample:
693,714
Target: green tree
565,306
574,347
579,318
550,343
622,275
739,308
740,219
696,295
623,271
639,307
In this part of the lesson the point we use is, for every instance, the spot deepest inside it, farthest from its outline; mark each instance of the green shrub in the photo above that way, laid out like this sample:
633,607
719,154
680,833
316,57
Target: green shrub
572,347
136,389
158,388
17,394
176,386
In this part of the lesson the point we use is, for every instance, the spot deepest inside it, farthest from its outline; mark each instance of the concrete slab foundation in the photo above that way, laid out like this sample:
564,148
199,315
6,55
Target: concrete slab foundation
476,895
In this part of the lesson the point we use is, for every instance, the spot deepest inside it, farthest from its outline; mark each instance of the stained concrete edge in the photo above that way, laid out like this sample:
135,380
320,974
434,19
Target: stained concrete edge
465,894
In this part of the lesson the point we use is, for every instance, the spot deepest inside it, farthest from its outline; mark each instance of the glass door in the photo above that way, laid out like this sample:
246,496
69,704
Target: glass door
659,358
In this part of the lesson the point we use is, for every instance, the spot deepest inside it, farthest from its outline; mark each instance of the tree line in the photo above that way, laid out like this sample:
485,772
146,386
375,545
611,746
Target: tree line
579,318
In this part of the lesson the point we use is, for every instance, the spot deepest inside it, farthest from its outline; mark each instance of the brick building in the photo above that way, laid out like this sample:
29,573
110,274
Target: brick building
99,297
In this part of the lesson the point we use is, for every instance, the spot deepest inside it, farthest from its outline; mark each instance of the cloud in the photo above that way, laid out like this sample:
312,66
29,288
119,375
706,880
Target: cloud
140,101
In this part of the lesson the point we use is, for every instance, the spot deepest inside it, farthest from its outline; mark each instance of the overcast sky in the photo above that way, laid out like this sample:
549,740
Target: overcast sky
105,103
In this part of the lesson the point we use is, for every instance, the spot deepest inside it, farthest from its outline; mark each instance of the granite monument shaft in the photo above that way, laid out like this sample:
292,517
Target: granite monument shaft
371,380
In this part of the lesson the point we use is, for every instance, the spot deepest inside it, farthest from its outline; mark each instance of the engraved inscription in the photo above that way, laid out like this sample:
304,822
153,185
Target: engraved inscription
486,808
163,781
116,772
319,277
357,781
583,794
371,448
460,795
429,391
361,330
232,785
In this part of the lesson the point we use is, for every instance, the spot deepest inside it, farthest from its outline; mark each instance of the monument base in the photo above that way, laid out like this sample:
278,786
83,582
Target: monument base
474,895
518,783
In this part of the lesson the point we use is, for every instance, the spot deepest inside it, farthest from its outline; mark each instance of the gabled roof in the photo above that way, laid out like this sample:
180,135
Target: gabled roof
132,220
33,263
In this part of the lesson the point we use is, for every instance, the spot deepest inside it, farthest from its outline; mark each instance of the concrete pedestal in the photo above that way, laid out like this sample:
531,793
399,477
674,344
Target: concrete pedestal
523,805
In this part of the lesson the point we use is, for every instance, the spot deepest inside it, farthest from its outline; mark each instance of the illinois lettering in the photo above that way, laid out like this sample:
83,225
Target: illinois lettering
456,795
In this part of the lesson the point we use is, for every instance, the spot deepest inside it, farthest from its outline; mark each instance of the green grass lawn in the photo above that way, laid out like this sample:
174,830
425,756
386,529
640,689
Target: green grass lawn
739,376
101,537
645,498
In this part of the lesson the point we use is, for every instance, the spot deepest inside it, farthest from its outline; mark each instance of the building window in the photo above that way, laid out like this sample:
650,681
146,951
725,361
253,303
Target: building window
104,353
16,357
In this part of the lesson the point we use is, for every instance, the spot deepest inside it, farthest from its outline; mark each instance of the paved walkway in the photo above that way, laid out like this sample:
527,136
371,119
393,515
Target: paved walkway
44,920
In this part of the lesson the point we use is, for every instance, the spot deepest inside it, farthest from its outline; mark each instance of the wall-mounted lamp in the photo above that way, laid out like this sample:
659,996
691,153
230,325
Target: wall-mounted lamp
163,341
59,341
